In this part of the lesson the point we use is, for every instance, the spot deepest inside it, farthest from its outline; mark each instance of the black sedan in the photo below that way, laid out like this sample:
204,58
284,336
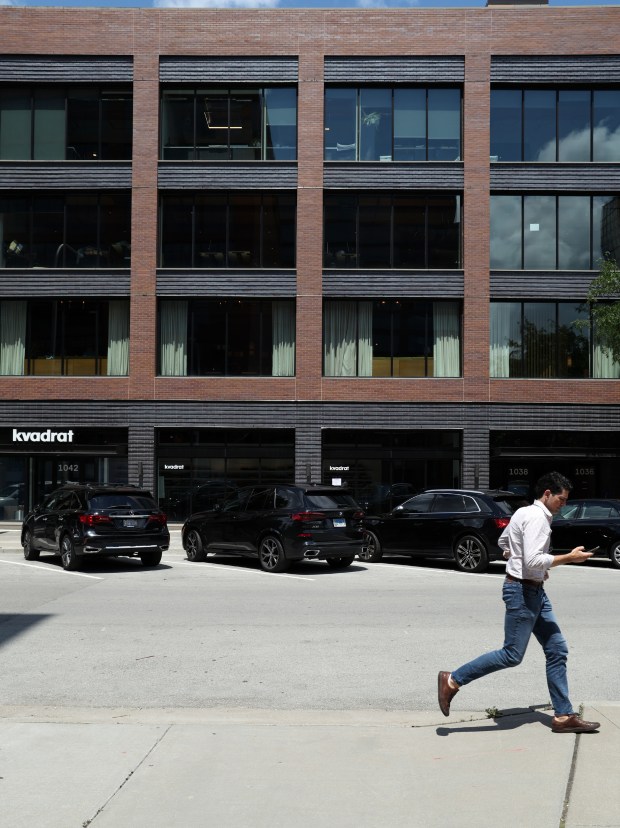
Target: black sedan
589,522
458,523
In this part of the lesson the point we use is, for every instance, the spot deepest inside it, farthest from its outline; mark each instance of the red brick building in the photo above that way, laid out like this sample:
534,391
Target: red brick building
264,244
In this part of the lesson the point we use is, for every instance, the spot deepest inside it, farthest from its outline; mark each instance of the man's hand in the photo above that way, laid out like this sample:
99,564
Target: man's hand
576,555
579,555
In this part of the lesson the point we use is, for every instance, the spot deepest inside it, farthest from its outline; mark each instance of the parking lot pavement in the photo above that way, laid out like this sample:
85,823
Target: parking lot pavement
66,768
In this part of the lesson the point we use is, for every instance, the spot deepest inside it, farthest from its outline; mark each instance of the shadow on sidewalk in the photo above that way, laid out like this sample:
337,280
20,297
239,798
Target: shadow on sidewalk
504,720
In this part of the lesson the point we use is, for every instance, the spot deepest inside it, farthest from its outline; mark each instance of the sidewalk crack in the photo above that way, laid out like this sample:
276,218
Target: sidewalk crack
158,741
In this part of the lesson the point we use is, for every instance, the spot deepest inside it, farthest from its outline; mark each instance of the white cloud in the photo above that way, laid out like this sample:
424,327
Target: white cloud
216,4
386,4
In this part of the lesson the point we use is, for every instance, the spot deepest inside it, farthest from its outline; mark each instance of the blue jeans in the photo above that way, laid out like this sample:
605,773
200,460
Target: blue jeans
528,610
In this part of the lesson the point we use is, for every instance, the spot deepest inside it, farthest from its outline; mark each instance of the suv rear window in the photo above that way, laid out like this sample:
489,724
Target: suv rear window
509,505
330,500
114,501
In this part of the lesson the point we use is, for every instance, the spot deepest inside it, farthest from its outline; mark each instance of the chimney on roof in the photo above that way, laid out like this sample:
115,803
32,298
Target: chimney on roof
517,3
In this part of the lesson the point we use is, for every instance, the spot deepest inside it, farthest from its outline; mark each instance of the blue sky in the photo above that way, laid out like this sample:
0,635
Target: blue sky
285,4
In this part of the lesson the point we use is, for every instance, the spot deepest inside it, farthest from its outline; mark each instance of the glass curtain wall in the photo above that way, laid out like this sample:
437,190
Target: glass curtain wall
546,340
392,124
224,123
80,123
65,230
553,232
391,338
552,125
227,337
392,230
227,230
64,337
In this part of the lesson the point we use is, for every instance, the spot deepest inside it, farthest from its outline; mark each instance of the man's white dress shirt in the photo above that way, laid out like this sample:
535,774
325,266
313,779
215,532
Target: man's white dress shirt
525,542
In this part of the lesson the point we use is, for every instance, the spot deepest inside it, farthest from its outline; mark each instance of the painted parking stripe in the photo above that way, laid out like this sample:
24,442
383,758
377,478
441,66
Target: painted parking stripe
52,569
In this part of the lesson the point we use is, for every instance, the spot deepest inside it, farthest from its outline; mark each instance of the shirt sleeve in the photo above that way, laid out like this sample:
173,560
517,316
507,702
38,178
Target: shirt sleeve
504,544
536,532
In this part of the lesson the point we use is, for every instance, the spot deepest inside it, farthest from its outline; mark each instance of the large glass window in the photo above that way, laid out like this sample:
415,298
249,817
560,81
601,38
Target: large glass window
391,338
64,337
392,230
236,230
549,125
551,232
201,467
81,123
222,123
385,124
227,337
65,230
546,340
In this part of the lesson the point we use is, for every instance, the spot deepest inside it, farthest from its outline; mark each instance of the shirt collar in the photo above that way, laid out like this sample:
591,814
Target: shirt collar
546,511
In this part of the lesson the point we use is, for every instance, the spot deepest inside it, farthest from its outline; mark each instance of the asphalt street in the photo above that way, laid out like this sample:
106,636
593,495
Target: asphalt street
225,633
216,694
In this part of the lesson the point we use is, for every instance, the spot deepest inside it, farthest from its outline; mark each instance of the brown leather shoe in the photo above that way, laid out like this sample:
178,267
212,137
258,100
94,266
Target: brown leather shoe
445,693
574,725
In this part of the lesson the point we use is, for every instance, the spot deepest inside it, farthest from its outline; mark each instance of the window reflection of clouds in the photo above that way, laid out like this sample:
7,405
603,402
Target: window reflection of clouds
588,125
506,232
536,229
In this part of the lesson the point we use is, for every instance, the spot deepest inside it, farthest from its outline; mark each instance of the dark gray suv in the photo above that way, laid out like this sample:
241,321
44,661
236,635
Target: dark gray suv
80,520
279,524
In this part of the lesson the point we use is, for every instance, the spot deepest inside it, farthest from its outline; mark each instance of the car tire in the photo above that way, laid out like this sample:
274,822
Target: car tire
151,558
68,555
271,555
614,555
372,552
30,554
470,554
194,548
342,562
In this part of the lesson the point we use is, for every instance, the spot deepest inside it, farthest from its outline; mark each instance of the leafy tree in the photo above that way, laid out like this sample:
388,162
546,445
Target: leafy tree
604,303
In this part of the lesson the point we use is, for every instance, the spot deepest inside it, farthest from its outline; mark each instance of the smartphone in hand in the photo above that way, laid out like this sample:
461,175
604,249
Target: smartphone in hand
593,550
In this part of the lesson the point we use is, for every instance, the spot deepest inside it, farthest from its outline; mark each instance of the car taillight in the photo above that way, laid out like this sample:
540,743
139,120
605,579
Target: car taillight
502,522
160,518
358,515
306,517
94,520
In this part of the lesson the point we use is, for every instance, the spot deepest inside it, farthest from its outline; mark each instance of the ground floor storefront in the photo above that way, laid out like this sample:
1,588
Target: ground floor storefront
191,454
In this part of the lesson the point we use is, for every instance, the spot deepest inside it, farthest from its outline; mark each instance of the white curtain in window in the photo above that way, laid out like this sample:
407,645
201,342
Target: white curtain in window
447,340
118,338
364,342
12,337
603,364
173,321
283,335
504,336
346,335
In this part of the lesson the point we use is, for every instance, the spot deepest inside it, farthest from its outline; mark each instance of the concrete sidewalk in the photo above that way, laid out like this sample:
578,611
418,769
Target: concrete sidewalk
235,768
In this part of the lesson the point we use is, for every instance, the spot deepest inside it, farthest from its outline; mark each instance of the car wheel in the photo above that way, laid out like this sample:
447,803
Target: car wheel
193,546
151,558
271,555
371,551
341,563
30,554
68,554
471,554
615,555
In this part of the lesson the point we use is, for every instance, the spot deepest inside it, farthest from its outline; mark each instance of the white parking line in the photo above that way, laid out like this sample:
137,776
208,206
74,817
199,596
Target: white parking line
52,569
244,570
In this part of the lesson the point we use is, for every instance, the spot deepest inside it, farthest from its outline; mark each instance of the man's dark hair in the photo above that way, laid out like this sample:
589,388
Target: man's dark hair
554,481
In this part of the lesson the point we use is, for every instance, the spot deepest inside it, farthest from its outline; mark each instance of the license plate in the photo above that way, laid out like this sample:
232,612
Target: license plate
339,523
130,524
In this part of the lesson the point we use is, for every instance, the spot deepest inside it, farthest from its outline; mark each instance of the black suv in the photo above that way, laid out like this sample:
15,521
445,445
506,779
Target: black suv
279,524
458,523
89,519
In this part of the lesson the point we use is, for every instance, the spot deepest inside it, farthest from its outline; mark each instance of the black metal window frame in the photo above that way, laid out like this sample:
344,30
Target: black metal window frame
230,89
71,153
